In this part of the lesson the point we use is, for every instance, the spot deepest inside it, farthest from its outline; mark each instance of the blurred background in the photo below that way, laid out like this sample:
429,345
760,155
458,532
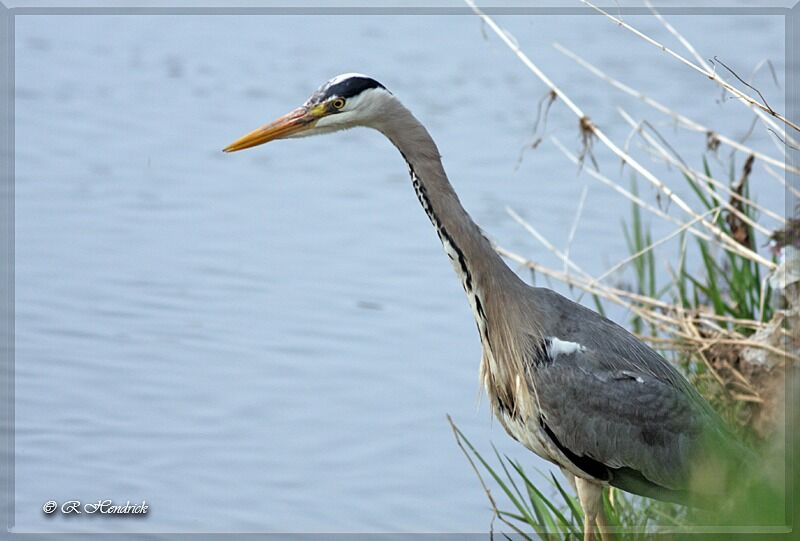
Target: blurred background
271,340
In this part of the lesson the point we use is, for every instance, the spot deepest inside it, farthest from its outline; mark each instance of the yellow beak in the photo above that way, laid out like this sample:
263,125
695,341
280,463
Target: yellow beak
286,126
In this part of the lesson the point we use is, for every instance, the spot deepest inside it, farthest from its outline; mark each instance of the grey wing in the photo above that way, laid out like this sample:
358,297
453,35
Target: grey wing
617,417
623,426
620,412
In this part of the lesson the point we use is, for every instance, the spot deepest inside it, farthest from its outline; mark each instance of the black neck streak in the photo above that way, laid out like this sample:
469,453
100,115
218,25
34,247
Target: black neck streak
458,259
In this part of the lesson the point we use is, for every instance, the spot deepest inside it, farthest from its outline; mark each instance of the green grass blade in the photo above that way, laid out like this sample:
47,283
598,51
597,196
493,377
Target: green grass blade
598,304
508,475
511,496
572,502
698,192
566,524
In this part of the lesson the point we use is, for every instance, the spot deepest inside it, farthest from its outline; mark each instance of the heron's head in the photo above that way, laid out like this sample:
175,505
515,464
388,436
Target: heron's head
345,101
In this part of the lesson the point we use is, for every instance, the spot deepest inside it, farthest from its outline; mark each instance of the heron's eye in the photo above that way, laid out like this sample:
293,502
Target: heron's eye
338,103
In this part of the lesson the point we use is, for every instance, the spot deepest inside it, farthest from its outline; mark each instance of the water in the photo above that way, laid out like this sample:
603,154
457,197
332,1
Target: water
270,341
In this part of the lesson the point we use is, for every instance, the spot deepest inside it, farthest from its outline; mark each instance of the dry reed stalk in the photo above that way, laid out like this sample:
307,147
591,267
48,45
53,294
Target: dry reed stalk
682,120
684,327
759,345
497,514
591,285
587,126
656,316
702,347
702,62
694,335
574,228
781,179
664,343
741,96
652,246
749,323
639,202
666,156
672,30
694,173
657,307
588,283
546,243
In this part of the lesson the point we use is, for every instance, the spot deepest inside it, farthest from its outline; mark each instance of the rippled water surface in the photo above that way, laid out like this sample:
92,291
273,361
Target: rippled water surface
270,341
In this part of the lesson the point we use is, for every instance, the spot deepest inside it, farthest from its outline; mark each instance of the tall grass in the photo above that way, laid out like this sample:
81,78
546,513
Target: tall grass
544,507
732,285
554,510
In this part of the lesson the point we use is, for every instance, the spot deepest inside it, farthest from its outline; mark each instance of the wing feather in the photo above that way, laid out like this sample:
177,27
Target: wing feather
613,400
618,420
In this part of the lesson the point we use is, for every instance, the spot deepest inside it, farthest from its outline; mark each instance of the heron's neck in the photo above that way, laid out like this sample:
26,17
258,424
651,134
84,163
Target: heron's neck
471,254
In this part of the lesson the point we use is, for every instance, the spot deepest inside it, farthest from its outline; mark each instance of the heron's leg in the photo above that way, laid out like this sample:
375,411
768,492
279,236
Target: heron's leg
590,495
602,525
588,529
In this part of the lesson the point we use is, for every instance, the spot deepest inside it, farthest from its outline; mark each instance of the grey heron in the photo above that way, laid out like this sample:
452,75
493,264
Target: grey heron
569,384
